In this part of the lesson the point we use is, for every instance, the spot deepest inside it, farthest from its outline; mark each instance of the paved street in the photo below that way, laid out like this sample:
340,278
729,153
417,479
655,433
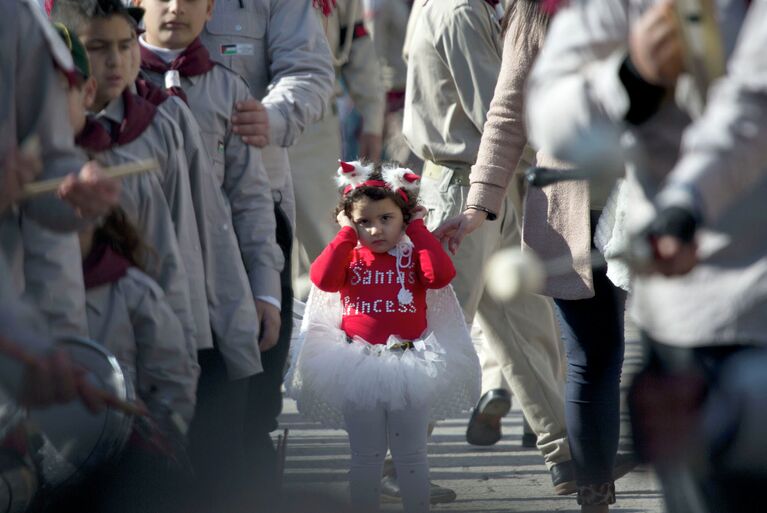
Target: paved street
501,478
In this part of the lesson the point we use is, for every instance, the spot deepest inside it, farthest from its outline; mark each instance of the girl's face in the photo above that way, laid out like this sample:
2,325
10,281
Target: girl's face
379,223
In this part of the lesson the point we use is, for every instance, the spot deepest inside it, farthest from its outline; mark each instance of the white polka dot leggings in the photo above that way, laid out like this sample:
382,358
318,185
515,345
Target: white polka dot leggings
371,432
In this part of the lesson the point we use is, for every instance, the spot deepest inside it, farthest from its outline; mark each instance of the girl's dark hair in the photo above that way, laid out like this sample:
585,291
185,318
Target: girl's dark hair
118,233
527,13
378,193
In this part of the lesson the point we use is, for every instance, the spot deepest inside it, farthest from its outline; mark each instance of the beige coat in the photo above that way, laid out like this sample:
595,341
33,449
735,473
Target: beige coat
53,279
240,172
131,318
233,316
556,218
282,54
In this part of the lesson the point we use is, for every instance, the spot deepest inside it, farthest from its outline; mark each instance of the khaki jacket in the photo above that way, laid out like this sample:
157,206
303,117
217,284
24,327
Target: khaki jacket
131,318
26,37
233,316
575,91
53,278
143,199
449,88
278,47
239,170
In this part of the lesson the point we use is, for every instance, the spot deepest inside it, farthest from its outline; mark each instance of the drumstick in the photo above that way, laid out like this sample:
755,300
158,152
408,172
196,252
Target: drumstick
131,168
19,354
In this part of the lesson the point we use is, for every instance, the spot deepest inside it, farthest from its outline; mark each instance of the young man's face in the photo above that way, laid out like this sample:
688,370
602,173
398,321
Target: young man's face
174,24
109,42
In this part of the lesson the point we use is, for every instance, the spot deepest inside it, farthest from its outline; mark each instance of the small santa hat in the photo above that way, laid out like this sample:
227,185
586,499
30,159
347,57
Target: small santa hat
353,174
400,178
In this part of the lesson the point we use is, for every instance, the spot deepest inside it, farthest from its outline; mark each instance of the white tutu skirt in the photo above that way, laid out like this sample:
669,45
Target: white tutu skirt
328,372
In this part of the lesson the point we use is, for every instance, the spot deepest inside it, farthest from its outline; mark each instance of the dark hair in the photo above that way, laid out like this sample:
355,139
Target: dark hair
526,12
76,13
376,194
119,233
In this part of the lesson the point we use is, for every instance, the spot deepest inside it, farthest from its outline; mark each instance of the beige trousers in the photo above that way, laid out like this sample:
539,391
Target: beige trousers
522,336
313,164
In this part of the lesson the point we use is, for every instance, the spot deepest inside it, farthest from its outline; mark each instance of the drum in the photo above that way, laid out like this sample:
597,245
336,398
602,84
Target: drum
67,441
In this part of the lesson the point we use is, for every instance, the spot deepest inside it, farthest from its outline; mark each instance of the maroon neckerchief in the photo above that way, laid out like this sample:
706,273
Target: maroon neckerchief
138,115
104,265
150,91
194,60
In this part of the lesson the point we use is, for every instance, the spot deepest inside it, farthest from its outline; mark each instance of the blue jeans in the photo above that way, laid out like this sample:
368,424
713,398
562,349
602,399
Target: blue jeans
593,334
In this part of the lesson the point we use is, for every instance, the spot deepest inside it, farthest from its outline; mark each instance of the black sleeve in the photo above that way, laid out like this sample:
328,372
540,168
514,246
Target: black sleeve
645,98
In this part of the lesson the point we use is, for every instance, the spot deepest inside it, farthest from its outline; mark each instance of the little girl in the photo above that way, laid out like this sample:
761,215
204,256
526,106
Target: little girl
384,347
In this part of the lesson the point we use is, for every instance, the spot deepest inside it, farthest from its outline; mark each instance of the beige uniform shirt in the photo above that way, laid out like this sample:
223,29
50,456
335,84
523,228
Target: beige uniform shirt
144,200
53,278
278,47
33,102
386,21
449,88
233,316
240,173
356,62
131,318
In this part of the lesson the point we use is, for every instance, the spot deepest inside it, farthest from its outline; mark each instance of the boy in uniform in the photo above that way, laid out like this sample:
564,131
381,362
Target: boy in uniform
278,46
233,315
173,55
126,128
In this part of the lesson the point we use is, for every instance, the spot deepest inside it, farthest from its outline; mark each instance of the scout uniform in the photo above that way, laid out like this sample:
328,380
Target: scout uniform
445,111
277,46
316,156
239,171
52,278
233,316
212,91
145,203
48,119
131,318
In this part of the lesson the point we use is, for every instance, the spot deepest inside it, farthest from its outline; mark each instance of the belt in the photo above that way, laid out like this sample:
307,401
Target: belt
400,346
435,172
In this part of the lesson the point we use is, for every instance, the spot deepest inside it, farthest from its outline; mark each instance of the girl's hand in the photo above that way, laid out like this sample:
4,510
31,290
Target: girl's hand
344,220
419,212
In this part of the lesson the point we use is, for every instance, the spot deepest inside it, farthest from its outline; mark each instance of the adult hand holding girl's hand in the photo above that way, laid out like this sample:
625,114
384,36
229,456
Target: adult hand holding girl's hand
344,220
419,212
453,230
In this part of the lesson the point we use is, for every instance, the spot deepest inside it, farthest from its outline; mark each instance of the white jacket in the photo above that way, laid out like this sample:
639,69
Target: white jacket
577,104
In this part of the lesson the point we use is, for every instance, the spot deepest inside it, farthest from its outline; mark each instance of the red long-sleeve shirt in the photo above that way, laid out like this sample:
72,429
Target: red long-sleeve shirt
368,283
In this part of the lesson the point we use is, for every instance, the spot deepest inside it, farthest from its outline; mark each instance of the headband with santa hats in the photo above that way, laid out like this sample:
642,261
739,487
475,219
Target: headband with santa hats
351,175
